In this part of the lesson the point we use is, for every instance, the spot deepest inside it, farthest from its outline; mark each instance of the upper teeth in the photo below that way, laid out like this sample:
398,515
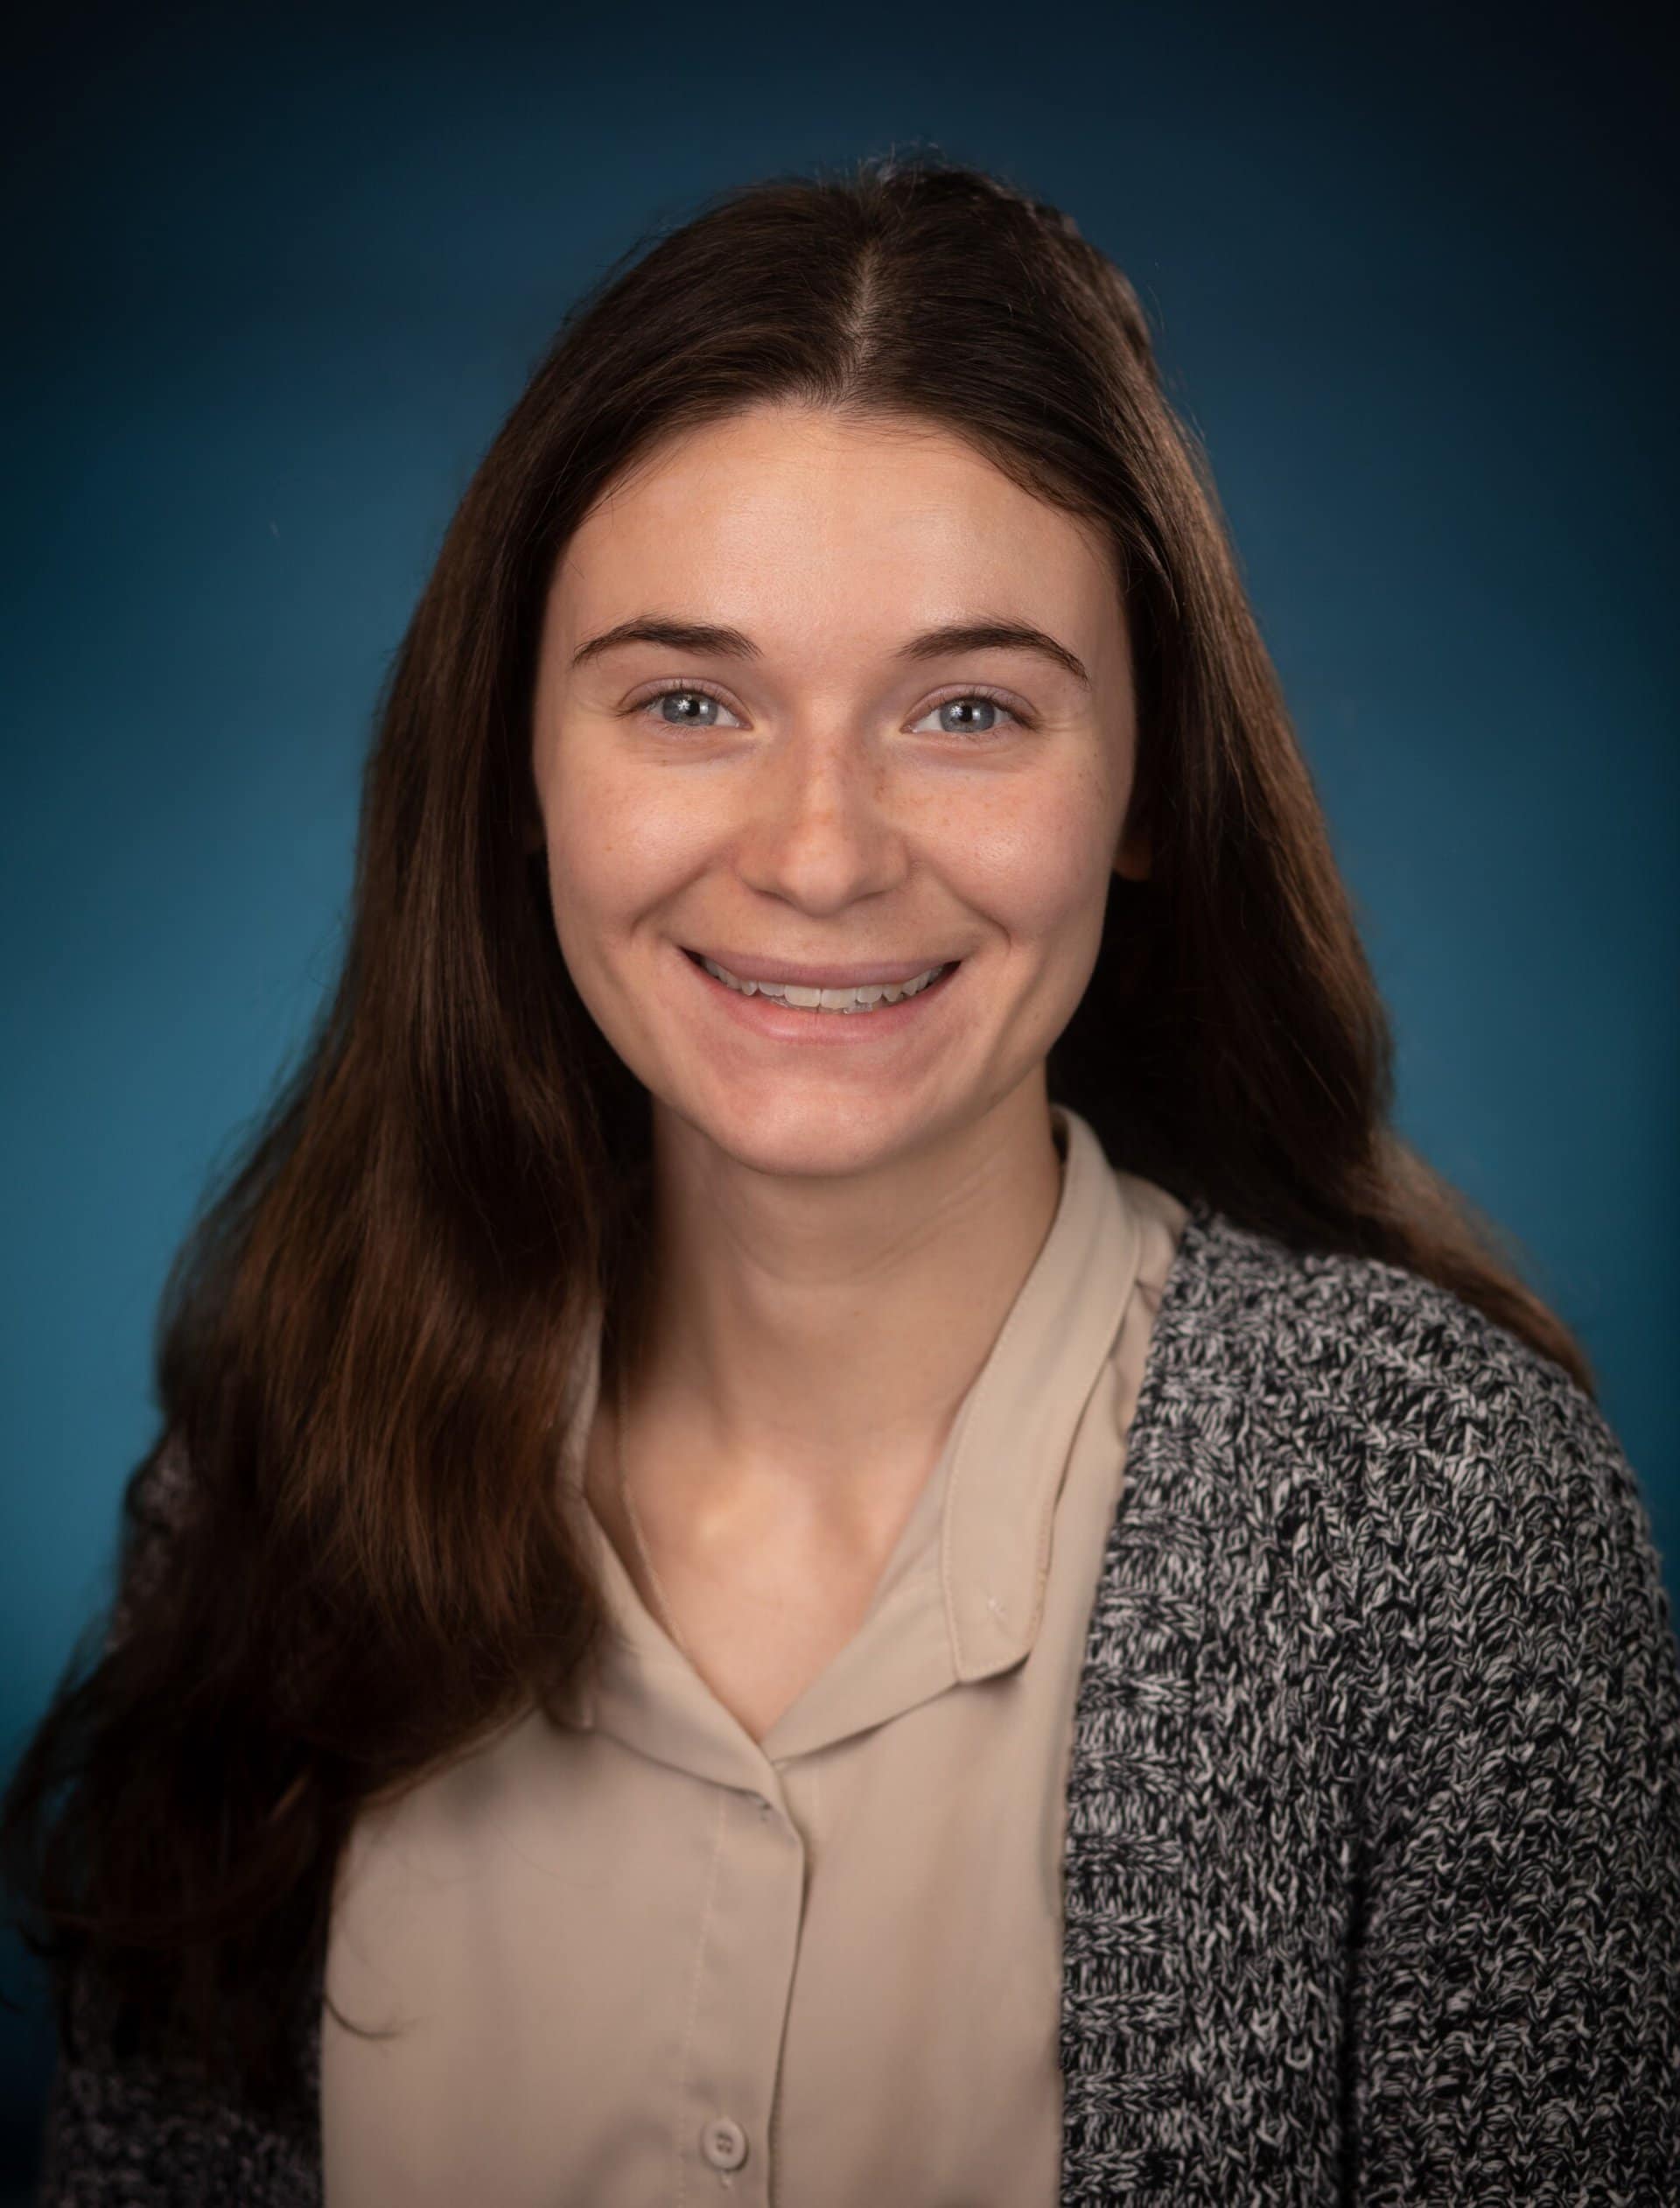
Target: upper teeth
863,999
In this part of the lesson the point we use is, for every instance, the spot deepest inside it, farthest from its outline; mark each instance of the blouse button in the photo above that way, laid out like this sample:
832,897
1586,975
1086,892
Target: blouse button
723,2143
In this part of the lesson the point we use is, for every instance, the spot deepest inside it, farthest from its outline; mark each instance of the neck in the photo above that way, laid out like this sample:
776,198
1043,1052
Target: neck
807,1340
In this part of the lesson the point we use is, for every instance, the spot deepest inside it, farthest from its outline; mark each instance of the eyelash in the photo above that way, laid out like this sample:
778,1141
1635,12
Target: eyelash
983,696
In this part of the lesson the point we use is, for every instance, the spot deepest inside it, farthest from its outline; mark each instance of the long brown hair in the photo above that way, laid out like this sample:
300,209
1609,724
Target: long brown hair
343,1560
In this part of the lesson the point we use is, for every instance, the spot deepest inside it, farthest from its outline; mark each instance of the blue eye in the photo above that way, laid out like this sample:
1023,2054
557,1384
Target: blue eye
691,693
986,701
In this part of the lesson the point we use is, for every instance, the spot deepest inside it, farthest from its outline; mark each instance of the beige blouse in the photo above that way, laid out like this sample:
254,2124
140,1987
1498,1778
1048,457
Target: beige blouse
640,1961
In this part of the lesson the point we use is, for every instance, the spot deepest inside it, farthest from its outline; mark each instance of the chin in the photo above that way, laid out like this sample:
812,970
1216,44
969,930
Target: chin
828,1137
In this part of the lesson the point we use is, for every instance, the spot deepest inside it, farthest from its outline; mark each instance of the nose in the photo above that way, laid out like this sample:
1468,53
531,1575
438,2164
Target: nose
818,830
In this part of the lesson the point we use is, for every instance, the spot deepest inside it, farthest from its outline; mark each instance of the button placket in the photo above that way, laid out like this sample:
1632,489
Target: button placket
752,1914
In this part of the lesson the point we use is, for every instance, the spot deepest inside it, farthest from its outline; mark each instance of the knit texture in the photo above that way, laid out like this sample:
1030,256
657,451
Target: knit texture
1373,1855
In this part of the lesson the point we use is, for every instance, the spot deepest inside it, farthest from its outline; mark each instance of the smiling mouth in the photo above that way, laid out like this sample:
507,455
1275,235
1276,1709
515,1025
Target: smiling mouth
867,997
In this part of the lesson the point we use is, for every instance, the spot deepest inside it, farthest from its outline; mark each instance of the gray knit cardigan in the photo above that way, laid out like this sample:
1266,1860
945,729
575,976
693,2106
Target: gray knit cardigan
1372,1857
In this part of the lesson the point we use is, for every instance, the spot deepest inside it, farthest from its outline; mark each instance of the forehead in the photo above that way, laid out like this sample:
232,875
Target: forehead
785,514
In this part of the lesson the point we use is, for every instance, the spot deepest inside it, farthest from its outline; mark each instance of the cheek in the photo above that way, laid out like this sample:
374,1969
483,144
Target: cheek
1035,859
610,854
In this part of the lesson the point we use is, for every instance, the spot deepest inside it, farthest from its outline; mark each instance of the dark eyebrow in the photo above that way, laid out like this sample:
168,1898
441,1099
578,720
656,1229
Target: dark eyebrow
932,644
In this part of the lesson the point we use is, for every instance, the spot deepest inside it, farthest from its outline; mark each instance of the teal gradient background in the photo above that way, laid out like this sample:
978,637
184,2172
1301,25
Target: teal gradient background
274,278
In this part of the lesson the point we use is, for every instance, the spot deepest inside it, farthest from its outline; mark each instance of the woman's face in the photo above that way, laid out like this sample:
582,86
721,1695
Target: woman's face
793,775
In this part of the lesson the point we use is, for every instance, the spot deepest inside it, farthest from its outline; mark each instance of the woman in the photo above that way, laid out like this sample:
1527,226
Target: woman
834,1519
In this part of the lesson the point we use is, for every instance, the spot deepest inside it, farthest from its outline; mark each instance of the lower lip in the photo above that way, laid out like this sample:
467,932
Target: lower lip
794,1023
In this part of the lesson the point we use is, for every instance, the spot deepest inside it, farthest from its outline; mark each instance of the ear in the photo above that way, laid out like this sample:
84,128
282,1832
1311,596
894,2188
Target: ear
1131,861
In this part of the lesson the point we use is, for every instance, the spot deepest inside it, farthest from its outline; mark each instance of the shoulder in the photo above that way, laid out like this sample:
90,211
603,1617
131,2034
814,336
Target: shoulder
1455,1467
159,1502
1346,1350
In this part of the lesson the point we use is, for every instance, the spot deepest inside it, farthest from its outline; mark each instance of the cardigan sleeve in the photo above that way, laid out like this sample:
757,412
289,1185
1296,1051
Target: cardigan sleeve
123,2129
1514,2006
127,2130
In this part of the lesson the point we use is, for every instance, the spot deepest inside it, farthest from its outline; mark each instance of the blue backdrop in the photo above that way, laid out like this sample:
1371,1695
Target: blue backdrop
275,276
